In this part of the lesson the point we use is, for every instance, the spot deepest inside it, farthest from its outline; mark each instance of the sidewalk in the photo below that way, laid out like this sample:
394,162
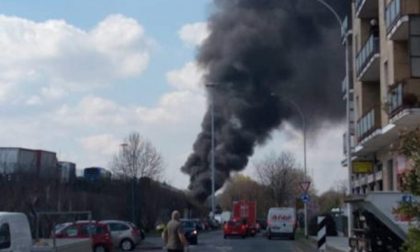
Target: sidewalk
335,243
338,243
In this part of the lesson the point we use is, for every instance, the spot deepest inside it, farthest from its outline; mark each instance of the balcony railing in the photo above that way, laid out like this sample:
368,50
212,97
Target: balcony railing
344,85
397,9
359,4
345,27
400,97
393,13
370,48
367,124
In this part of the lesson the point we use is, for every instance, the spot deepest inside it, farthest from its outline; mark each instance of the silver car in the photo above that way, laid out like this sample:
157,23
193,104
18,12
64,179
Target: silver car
125,235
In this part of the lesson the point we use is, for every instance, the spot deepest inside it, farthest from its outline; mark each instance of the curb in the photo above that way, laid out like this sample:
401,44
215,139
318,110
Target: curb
329,247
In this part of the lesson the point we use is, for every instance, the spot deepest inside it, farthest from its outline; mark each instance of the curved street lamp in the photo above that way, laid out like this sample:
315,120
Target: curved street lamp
348,137
302,117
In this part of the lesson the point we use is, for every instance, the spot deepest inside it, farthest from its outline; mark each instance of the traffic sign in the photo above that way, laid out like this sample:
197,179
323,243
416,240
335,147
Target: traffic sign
407,198
305,197
304,185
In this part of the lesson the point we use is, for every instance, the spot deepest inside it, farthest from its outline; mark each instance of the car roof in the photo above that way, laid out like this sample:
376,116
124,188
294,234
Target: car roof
116,221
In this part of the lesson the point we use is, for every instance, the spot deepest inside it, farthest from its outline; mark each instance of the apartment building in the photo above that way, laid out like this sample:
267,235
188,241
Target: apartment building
384,89
383,100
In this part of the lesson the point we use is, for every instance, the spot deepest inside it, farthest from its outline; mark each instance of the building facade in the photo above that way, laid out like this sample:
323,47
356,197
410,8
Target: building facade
383,91
67,171
35,162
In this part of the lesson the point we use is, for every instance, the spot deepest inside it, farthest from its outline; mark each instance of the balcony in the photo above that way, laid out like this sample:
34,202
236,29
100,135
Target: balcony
344,88
367,60
397,16
345,149
367,8
404,103
345,30
368,123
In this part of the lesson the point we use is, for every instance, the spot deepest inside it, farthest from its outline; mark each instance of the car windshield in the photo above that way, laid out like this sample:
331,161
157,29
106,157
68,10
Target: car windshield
188,224
60,227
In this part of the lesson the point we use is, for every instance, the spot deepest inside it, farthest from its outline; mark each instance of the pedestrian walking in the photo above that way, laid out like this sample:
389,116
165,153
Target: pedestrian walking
173,235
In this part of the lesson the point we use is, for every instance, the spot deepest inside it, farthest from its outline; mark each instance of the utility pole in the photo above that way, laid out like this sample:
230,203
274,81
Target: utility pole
212,155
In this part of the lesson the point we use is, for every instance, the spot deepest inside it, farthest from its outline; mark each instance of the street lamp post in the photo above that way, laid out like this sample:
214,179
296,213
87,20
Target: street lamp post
212,157
302,117
133,211
348,137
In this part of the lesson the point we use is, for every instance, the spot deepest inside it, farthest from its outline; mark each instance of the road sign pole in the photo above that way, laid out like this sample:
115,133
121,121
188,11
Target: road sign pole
304,185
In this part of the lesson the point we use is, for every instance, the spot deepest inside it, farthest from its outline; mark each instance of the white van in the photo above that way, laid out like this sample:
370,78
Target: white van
15,234
281,221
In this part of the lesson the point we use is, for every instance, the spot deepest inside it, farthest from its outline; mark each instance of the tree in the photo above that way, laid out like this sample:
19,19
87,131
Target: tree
410,147
242,187
333,198
282,176
329,200
138,158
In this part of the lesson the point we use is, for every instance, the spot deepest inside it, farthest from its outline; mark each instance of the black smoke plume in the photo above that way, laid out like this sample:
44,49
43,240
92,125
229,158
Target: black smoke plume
258,48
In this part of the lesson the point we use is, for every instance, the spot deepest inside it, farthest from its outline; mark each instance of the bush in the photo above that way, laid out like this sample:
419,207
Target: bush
412,244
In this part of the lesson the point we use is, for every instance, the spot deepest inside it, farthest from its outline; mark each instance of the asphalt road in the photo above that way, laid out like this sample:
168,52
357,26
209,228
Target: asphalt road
214,242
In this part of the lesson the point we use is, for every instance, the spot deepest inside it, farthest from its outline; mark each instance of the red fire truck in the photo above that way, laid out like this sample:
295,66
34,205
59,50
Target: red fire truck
246,211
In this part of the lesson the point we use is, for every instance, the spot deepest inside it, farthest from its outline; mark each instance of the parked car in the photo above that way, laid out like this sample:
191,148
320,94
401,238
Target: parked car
235,227
125,235
190,230
261,224
98,232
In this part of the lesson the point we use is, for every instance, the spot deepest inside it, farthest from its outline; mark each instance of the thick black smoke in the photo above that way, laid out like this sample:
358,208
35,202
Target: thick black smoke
257,48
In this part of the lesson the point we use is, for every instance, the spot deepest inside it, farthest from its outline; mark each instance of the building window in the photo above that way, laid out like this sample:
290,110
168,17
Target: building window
379,167
390,175
415,46
380,185
372,187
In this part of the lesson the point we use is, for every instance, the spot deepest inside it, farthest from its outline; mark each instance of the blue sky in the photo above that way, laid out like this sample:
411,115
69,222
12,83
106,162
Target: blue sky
160,18
77,76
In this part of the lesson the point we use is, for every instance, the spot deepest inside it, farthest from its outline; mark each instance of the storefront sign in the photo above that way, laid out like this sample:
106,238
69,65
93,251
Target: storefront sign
362,167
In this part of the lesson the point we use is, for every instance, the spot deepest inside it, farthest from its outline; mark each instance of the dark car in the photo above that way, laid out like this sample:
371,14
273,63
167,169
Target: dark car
190,231
262,223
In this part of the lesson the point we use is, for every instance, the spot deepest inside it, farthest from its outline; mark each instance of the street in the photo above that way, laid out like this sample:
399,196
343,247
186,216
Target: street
213,241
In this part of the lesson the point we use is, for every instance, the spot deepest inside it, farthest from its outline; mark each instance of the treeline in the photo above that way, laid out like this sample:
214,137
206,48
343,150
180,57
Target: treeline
106,199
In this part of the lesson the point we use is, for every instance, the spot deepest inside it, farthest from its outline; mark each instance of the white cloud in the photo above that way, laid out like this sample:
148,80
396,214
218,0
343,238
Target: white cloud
190,77
33,100
104,144
53,56
194,34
